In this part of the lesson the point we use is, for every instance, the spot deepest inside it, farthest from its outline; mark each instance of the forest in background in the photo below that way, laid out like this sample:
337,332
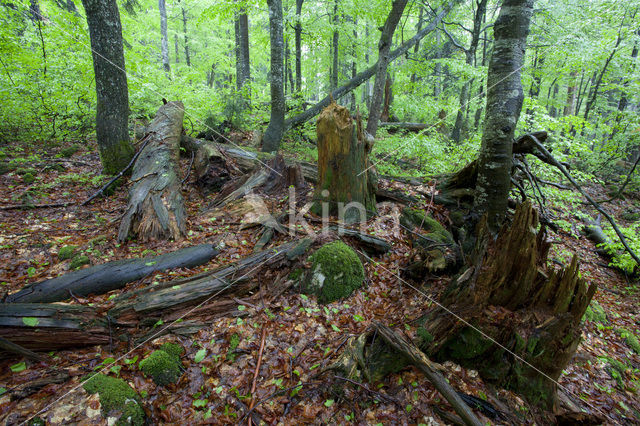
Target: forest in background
580,83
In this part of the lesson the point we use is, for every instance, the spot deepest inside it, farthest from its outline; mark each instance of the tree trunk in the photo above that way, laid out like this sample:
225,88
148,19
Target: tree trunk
343,167
518,303
416,49
156,207
365,75
275,130
43,327
298,45
504,103
569,108
333,83
112,109
103,278
384,58
243,68
164,38
175,39
594,95
388,100
187,56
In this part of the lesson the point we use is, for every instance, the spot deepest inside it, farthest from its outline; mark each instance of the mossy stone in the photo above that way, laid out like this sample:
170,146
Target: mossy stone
79,261
67,252
416,218
28,178
116,397
69,151
174,350
162,367
336,271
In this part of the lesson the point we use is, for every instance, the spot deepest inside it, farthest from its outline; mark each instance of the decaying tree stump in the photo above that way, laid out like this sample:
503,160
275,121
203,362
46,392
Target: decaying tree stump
156,207
344,174
518,301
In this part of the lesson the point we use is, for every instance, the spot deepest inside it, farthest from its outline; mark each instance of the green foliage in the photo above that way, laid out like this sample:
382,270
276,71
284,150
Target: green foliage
631,339
116,397
595,313
336,270
163,367
69,151
79,261
67,252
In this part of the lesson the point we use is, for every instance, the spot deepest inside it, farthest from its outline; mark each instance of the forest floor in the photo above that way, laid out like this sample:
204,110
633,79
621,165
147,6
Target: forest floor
300,335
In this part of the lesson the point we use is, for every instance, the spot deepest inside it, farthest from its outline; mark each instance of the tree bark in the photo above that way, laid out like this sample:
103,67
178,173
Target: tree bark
112,109
273,135
333,80
343,175
384,58
187,55
594,94
504,103
156,208
298,36
110,276
569,108
365,75
164,38
243,67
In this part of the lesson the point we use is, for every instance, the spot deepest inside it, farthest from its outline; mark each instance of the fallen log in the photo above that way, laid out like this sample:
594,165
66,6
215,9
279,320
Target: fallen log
46,327
372,245
109,276
168,300
156,208
409,127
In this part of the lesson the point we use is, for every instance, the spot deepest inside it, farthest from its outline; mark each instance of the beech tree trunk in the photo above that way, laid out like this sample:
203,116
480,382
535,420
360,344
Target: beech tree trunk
298,30
569,108
333,80
273,135
343,175
504,103
112,109
156,208
243,69
384,47
187,55
164,38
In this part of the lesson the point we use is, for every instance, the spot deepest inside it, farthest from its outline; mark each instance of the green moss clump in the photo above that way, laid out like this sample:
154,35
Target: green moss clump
425,337
335,272
26,171
595,313
6,168
28,178
467,344
416,218
234,342
296,274
116,396
630,338
67,252
78,261
69,151
173,349
98,241
162,367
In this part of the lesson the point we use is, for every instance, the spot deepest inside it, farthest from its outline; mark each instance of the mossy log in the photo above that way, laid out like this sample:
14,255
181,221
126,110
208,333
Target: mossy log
46,327
344,174
156,207
522,305
109,276
171,299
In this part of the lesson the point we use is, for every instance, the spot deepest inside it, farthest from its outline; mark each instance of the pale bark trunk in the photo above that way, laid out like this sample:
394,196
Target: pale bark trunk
298,45
504,103
187,55
164,40
243,68
275,130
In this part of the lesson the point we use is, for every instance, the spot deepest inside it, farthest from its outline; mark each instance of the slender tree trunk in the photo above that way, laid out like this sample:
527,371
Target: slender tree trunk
582,89
335,49
437,69
592,100
384,47
164,42
112,109
354,64
187,56
243,68
416,49
366,92
289,85
569,108
298,32
275,130
34,11
553,110
175,40
504,103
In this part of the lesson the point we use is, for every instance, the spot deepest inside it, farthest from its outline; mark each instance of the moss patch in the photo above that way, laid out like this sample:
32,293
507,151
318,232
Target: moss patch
116,157
234,342
335,272
79,261
415,218
26,171
630,338
28,178
116,398
595,313
67,252
163,367
69,151
174,350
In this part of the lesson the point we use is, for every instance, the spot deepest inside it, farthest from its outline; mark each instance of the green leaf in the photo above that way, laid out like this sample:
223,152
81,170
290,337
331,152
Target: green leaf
242,307
335,328
16,368
150,263
200,403
2,390
358,317
30,321
200,355
328,403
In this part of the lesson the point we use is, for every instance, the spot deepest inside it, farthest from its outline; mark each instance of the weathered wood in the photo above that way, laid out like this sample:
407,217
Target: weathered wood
156,209
372,245
166,299
420,360
33,386
343,167
9,346
109,276
45,327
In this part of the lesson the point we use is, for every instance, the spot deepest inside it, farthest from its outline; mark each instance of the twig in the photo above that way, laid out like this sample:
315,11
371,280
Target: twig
122,172
381,396
189,169
597,206
255,374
